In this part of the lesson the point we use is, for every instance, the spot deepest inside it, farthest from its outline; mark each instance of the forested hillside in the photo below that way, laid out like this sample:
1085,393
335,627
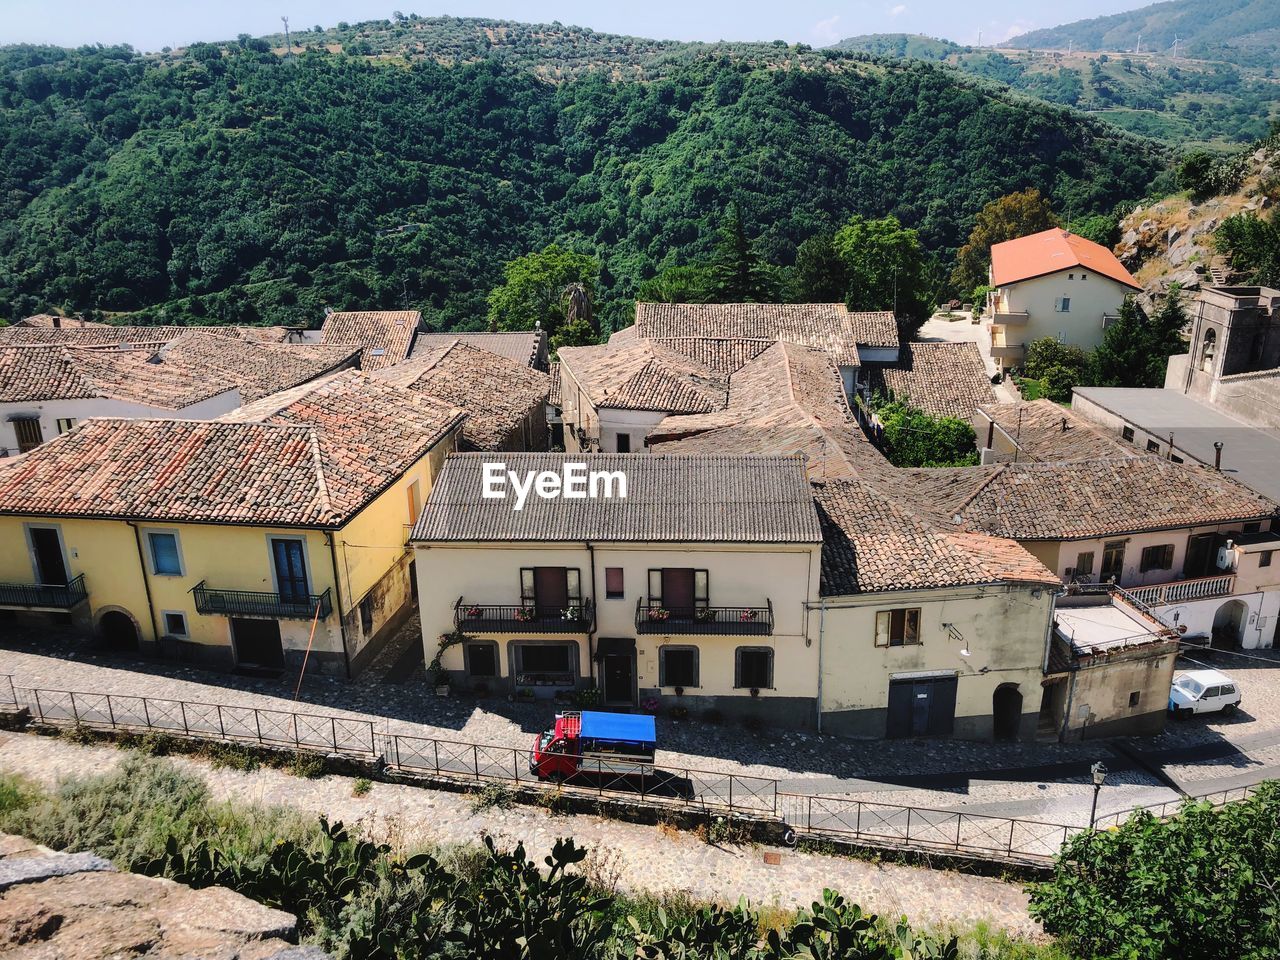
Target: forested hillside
1181,101
1240,31
232,183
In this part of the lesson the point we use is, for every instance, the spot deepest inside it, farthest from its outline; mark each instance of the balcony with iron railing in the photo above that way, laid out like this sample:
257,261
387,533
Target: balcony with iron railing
472,617
268,606
43,596
1182,591
705,620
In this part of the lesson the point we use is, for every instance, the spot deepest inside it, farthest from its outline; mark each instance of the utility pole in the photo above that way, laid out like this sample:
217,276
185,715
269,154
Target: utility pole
288,40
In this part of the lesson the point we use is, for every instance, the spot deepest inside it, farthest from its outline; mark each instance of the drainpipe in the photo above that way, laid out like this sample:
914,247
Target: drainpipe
595,601
1048,635
146,583
337,600
822,624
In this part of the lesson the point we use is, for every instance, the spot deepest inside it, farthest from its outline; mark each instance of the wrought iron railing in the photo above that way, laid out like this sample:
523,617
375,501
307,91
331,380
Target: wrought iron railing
57,596
247,603
892,826
734,621
472,617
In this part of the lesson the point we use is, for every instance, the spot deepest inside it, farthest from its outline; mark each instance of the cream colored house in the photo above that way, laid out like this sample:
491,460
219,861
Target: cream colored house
1052,284
691,588
924,631
1187,541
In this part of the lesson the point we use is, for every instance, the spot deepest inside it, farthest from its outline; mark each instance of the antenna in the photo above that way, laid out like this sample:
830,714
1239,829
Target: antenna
288,40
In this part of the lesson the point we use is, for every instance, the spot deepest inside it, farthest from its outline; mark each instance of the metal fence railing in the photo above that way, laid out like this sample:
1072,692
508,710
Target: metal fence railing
1162,811
680,788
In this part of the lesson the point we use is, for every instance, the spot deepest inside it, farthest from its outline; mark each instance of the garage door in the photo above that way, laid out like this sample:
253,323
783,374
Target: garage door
922,707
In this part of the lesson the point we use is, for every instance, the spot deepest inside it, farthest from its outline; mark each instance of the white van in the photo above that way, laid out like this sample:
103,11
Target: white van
1203,691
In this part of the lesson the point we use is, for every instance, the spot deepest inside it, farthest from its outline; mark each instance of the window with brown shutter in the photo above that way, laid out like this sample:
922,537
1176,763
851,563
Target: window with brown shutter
29,434
613,583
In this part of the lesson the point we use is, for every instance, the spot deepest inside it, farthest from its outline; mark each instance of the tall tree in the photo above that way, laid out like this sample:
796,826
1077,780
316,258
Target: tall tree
819,274
534,289
1007,218
1135,350
884,264
1254,246
737,272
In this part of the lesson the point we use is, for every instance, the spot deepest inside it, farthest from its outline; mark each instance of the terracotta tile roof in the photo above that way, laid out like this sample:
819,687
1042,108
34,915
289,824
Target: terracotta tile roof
38,373
871,543
827,326
722,354
257,368
1082,499
386,335
314,462
1049,251
554,397
52,320
789,400
942,379
644,376
1043,430
104,335
526,347
498,394
742,499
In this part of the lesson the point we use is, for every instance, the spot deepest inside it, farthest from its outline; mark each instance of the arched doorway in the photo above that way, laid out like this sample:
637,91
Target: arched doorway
1229,623
1006,711
118,631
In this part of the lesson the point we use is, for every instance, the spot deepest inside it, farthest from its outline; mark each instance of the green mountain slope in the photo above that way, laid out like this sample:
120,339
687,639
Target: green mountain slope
1238,31
1185,102
232,184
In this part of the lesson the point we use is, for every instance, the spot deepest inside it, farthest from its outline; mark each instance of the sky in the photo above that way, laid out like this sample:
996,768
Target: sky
152,24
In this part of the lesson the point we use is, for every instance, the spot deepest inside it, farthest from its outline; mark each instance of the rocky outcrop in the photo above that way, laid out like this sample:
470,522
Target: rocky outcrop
1171,240
78,907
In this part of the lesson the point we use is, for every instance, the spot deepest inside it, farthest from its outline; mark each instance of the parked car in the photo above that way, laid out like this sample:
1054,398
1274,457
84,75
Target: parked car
1203,691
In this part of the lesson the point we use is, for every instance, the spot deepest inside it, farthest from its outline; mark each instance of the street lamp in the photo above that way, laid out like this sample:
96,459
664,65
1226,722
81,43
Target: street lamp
1099,777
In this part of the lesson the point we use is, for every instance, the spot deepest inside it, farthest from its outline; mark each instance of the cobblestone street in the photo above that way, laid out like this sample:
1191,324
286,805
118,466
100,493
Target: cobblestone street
1045,780
644,858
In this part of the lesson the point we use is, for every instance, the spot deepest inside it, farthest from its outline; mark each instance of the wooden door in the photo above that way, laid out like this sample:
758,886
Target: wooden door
551,590
46,544
677,590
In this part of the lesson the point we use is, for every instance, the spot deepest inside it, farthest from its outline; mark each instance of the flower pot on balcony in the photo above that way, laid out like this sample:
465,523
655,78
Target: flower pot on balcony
658,615
526,615
475,613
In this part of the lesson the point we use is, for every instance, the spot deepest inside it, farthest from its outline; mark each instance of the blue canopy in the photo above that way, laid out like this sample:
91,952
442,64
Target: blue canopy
631,728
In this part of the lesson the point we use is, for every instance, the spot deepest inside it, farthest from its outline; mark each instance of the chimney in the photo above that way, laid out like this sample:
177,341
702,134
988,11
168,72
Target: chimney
991,433
1217,455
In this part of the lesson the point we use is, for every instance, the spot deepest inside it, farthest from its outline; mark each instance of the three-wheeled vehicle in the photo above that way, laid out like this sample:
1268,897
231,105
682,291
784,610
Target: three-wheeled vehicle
594,742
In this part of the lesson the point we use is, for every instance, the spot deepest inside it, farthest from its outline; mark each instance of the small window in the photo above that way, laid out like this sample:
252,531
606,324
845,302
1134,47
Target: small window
1127,434
1064,304
175,623
481,659
897,628
65,424
613,583
1071,276
1084,564
1264,558
1153,446
165,559
366,616
678,667
1174,458
1084,276
624,443
1134,697
414,493
755,668
1157,558
1253,527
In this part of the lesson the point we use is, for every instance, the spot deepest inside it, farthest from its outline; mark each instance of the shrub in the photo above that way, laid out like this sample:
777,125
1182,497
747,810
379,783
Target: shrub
308,766
491,796
361,787
231,755
913,438
1197,886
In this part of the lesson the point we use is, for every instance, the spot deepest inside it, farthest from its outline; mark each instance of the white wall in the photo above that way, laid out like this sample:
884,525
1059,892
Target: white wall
51,411
1091,298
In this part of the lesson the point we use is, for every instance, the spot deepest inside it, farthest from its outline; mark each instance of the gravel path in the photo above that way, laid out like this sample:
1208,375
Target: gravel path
641,858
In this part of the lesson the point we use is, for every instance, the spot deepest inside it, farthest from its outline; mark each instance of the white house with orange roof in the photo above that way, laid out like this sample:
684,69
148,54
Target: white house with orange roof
1052,284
